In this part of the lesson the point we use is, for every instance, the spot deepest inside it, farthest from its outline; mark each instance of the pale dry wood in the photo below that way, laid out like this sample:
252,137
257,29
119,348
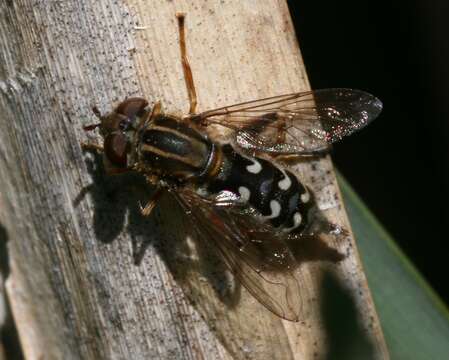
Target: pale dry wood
74,288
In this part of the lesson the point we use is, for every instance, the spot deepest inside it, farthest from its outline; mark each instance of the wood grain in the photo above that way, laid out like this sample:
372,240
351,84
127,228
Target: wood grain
74,234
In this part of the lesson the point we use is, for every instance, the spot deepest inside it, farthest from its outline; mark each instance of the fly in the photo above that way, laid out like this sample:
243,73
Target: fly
240,200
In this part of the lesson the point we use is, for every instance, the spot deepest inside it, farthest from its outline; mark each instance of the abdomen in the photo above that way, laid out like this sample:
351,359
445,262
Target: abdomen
276,193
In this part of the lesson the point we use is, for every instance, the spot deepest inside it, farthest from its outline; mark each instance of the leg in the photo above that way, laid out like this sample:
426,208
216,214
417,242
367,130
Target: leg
304,156
185,64
146,119
89,146
146,211
94,126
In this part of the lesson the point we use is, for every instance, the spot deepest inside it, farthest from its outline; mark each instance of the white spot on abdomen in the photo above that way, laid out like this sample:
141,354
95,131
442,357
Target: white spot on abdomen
255,167
275,207
297,219
305,197
244,193
285,183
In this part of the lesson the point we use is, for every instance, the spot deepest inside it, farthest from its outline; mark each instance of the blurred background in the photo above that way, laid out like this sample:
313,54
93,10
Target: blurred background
398,51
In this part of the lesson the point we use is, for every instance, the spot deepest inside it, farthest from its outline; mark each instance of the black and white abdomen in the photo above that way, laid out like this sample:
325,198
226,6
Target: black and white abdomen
276,193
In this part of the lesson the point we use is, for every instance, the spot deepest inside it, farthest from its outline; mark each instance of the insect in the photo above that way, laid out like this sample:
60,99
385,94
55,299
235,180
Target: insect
240,200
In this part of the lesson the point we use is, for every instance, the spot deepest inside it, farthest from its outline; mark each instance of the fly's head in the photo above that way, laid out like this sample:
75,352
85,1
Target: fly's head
118,129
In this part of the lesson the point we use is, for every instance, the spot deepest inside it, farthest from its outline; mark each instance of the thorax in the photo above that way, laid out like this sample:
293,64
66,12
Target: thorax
174,149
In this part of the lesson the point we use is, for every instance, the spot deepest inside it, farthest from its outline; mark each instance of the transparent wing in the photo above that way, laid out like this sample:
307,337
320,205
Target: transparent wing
300,123
255,254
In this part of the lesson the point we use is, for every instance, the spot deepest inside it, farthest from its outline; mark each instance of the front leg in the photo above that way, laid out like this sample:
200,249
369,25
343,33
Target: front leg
91,146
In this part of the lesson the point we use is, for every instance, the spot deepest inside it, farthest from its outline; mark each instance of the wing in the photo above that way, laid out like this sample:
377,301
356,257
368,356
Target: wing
299,123
256,255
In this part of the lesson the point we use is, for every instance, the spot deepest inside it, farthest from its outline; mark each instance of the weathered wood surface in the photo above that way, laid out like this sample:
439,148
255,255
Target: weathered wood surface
74,288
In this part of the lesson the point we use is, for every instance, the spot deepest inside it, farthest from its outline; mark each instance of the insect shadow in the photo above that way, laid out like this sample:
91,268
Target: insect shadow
347,338
4,255
116,202
8,331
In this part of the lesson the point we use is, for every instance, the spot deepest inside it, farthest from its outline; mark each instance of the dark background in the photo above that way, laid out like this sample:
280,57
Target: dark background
398,51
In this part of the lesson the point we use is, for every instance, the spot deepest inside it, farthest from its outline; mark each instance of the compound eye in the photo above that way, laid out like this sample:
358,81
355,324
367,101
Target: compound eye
132,107
115,147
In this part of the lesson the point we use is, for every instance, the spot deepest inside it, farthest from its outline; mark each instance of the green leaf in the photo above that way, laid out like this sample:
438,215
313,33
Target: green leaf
414,320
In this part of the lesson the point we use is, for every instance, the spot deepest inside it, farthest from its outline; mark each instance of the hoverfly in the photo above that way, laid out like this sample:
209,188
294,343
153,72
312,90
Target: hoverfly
250,208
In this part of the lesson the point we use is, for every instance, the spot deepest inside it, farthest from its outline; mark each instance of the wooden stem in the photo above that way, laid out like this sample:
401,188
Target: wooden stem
73,285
